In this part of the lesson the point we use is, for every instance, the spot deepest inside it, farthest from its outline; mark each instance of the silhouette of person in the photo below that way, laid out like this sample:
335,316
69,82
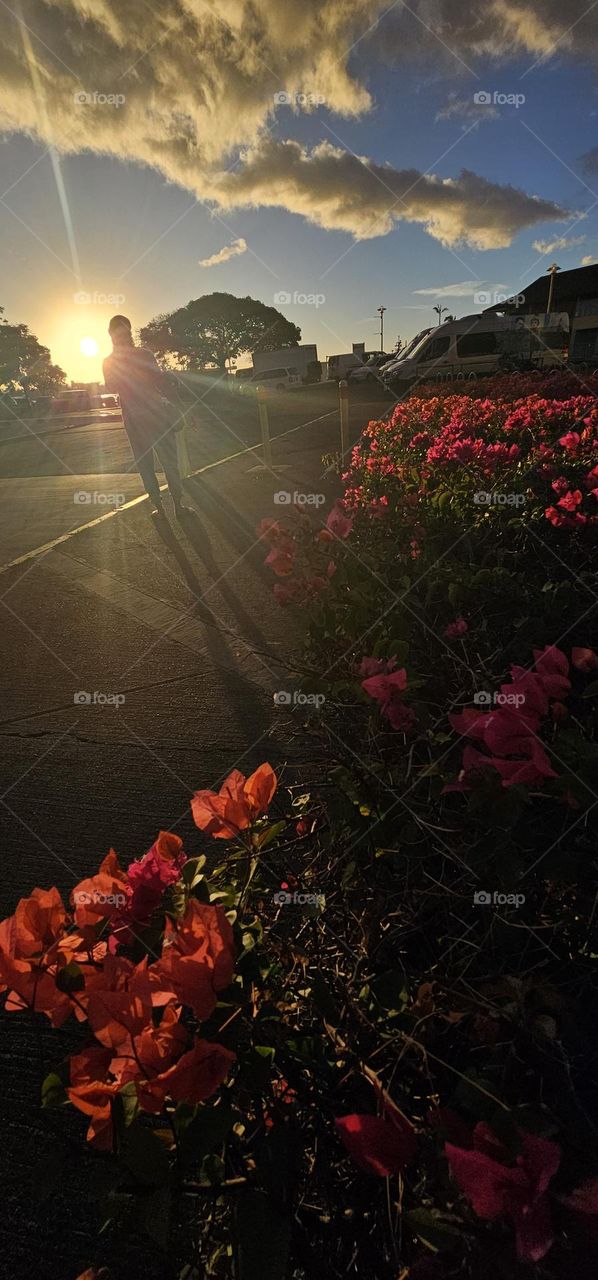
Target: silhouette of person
149,416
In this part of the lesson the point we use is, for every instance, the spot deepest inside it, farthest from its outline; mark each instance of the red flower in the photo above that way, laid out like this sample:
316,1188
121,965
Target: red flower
553,668
237,805
338,523
570,500
457,628
386,689
380,1145
518,1192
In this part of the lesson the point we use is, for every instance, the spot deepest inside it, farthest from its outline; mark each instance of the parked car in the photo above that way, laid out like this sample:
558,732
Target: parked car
339,367
277,379
369,371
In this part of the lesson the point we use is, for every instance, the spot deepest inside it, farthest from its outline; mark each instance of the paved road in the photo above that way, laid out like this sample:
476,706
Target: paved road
180,623
53,481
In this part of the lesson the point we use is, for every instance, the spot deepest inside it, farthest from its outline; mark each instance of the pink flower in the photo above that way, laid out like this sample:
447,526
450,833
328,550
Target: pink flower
570,500
376,666
281,561
457,628
570,441
386,689
553,667
149,877
516,1191
338,522
380,1145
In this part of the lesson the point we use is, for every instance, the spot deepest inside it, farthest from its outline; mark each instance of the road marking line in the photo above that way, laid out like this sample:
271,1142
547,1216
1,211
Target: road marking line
134,502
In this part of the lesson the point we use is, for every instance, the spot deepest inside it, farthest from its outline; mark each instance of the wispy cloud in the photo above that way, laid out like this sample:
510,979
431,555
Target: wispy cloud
466,109
229,251
465,289
589,260
561,243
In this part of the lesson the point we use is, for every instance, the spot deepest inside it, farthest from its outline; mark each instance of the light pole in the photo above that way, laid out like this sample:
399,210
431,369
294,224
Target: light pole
552,273
381,311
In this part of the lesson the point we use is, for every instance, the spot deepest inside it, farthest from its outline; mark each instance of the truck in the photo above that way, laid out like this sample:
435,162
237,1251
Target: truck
301,359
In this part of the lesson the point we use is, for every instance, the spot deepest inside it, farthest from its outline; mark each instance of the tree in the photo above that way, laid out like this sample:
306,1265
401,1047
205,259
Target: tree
440,312
24,364
218,328
399,344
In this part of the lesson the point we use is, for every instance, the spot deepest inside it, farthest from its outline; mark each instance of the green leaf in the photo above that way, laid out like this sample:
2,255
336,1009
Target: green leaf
153,1214
191,873
257,1066
53,1091
202,1131
265,838
591,691
263,1236
70,978
323,999
433,1229
144,1156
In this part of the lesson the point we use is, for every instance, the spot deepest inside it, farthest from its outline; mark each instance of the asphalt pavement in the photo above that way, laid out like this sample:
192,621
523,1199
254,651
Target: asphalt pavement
138,663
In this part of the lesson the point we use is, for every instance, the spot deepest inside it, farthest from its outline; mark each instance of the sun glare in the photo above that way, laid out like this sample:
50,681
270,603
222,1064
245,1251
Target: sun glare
88,347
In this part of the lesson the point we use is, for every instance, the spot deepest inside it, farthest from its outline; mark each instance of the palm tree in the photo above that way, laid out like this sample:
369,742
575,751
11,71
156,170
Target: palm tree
440,312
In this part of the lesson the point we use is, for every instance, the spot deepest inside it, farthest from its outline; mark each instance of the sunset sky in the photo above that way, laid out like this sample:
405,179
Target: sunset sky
140,143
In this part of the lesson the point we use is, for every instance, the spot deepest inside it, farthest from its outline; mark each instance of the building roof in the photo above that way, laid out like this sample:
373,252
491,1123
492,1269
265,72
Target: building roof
581,282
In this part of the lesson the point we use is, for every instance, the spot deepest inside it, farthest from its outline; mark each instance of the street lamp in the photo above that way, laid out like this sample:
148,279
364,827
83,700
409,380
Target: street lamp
552,273
381,311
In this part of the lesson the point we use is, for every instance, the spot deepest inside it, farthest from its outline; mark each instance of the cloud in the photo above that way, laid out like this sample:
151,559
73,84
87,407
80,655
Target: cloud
344,192
229,251
196,98
465,289
466,109
588,261
560,243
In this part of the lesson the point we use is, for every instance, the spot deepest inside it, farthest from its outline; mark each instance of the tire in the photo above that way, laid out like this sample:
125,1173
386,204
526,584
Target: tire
460,376
471,377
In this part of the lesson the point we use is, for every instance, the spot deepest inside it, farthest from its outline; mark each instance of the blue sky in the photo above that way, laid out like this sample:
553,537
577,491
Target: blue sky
124,232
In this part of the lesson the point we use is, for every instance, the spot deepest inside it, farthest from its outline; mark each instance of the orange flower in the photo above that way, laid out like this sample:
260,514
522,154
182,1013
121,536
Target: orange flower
237,805
197,959
29,942
102,895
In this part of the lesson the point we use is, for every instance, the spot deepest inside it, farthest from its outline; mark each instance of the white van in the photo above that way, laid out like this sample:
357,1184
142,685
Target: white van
478,345
276,379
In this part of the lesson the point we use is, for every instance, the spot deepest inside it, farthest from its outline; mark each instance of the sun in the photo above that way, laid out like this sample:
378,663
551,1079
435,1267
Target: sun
88,347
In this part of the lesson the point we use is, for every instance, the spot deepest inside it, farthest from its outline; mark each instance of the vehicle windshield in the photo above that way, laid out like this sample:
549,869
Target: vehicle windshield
414,344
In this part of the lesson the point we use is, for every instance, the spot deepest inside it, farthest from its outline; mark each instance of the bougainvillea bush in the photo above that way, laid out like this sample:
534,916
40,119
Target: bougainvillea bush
364,1044
453,592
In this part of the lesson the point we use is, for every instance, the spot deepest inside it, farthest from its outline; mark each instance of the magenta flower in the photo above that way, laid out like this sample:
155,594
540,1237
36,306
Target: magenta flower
457,628
518,1191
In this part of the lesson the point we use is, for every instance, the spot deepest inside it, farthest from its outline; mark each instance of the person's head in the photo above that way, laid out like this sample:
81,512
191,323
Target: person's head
120,331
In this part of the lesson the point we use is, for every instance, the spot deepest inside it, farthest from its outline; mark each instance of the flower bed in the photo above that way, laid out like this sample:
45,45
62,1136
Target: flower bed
361,1042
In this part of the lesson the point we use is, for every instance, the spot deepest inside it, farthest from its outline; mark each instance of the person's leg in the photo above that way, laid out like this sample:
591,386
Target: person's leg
166,448
143,461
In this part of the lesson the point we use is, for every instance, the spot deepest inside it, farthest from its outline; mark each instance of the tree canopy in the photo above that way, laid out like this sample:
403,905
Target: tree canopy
216,328
24,364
